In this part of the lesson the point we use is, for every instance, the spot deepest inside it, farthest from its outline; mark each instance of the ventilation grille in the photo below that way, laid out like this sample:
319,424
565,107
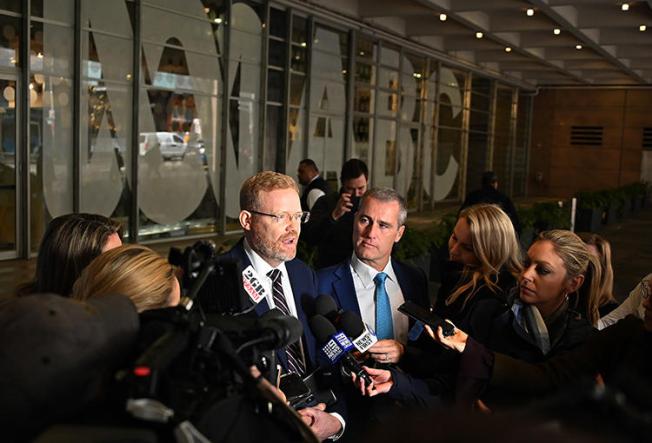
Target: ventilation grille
647,139
586,135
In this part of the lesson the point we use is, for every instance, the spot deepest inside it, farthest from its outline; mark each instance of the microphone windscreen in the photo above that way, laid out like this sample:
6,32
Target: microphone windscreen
322,328
325,305
351,324
286,327
272,313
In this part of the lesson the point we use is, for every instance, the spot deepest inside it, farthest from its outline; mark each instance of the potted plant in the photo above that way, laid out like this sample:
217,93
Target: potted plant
527,218
551,215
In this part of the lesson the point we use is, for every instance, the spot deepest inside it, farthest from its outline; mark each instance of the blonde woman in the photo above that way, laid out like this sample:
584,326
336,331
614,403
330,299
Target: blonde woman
601,249
485,260
132,270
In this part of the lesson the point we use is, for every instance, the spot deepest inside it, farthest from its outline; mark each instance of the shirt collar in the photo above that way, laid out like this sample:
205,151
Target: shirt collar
314,178
260,265
366,273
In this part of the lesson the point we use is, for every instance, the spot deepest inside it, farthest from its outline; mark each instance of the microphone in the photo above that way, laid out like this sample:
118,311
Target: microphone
325,305
277,330
353,326
336,346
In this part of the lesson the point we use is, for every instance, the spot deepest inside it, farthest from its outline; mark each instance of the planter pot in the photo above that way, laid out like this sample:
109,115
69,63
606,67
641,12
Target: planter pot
611,215
588,219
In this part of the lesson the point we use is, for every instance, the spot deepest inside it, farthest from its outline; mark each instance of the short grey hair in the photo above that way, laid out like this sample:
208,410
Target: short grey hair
388,195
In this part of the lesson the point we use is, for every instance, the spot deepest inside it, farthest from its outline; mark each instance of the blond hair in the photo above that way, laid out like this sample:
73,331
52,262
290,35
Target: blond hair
132,270
264,181
495,245
578,261
604,256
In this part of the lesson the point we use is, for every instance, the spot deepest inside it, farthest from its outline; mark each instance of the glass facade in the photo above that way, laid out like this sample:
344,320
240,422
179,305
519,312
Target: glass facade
153,112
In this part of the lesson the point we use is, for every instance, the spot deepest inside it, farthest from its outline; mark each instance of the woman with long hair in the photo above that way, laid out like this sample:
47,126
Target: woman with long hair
136,271
69,244
485,259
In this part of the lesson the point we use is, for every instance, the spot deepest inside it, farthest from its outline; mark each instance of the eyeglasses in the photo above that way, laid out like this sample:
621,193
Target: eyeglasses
645,289
285,217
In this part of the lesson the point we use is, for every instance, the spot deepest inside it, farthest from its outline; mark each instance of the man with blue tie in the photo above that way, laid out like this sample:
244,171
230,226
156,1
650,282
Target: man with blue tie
374,285
271,218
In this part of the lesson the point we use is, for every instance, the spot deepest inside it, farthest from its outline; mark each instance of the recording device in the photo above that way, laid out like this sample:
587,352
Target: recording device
431,319
361,335
325,305
195,358
336,346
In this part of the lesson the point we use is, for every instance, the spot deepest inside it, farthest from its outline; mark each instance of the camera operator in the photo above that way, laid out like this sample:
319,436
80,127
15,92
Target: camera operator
271,218
330,228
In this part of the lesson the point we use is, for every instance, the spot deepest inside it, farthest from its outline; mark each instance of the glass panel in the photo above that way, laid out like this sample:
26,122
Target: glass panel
8,146
295,132
273,137
388,104
298,60
480,102
413,187
275,86
179,114
299,30
51,104
502,137
278,23
447,169
365,73
59,10
479,121
388,79
362,135
522,142
9,40
477,159
297,86
363,100
450,116
481,85
277,53
11,5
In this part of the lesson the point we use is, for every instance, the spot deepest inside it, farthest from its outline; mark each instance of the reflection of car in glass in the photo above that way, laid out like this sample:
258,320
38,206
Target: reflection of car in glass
170,144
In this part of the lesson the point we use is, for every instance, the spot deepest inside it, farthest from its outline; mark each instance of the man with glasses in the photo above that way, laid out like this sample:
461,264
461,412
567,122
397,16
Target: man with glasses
271,217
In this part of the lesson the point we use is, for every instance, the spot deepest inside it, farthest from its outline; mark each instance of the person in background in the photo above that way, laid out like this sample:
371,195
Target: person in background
330,228
314,186
135,271
601,249
69,244
489,193
485,260
632,305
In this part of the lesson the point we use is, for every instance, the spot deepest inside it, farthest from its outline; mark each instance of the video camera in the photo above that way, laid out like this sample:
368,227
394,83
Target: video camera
195,358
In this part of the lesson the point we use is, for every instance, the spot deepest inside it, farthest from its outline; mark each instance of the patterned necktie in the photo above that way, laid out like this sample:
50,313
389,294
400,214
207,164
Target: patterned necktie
384,325
293,351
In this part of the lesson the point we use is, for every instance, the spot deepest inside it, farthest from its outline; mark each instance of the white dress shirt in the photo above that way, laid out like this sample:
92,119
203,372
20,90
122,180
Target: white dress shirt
314,194
365,288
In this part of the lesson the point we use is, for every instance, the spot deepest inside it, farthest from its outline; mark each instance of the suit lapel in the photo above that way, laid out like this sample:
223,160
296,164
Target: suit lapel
344,289
299,288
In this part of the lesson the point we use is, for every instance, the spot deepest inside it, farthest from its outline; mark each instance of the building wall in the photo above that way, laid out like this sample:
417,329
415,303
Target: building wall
560,168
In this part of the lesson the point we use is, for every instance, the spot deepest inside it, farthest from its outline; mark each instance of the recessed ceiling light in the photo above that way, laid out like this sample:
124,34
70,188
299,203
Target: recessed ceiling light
530,12
508,49
578,46
442,17
624,7
556,31
642,28
479,35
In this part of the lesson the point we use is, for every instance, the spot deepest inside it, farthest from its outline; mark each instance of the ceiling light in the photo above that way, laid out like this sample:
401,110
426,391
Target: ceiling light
442,17
642,28
508,49
479,35
530,12
624,7
578,46
556,31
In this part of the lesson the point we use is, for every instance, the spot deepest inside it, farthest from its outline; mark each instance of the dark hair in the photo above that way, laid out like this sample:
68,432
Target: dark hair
69,244
310,163
353,168
489,178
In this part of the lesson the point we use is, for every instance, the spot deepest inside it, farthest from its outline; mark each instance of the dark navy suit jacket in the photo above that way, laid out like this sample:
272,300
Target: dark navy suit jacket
304,289
337,281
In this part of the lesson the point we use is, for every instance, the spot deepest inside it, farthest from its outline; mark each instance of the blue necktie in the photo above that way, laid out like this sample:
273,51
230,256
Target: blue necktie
384,325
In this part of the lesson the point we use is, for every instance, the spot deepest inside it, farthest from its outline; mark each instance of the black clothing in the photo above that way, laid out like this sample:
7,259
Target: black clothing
488,194
317,183
333,238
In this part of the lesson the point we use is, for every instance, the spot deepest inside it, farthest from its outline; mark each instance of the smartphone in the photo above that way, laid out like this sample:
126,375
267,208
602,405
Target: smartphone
295,389
355,202
421,314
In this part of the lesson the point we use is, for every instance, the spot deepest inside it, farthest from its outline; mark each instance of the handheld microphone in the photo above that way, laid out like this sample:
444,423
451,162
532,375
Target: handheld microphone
325,305
361,335
336,346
